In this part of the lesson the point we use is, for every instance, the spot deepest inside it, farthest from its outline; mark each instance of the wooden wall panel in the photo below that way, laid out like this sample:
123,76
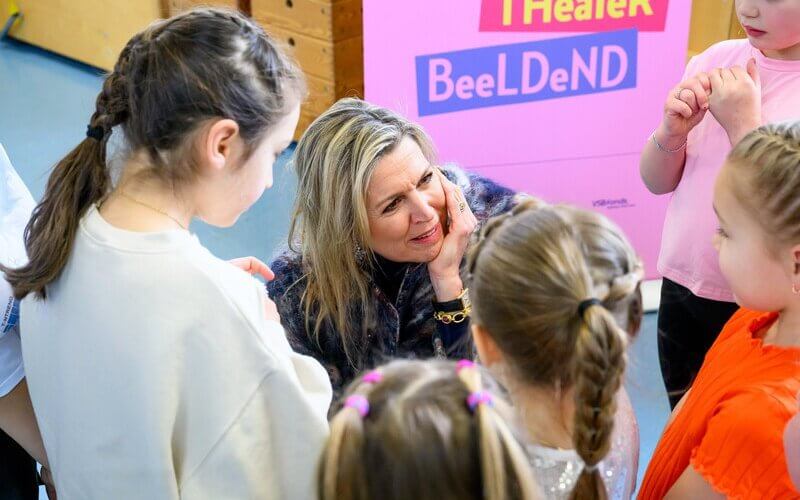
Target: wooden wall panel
90,31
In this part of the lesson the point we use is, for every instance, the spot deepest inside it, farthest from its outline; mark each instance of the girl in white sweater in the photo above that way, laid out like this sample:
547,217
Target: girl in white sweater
155,369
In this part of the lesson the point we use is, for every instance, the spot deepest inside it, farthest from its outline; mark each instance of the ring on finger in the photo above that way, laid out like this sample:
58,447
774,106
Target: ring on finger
461,206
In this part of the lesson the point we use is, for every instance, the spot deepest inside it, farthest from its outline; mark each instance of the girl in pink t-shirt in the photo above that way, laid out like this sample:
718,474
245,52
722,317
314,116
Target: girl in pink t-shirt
743,83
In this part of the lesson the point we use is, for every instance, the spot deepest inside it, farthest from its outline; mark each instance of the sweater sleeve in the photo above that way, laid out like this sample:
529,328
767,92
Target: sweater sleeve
269,451
286,290
270,447
455,339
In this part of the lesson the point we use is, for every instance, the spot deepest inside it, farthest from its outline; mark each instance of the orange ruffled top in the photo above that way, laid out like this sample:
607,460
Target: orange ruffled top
730,426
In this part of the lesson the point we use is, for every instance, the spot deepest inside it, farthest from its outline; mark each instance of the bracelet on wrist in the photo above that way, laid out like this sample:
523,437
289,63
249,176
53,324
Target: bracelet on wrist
666,150
453,311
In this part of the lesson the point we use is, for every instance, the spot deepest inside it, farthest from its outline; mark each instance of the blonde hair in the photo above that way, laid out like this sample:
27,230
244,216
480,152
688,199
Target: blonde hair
531,271
334,162
769,159
420,440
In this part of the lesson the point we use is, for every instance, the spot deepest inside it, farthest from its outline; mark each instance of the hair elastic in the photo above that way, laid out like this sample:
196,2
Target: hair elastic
96,133
479,397
372,377
359,403
464,364
586,304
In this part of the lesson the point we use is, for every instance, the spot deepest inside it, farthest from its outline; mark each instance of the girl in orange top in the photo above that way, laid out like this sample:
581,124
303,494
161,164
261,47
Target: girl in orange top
725,437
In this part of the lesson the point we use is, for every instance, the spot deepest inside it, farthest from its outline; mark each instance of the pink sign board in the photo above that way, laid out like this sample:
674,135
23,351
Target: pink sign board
552,97
555,16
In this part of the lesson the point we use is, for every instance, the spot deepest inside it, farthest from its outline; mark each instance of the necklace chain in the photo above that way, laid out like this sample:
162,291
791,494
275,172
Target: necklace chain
122,193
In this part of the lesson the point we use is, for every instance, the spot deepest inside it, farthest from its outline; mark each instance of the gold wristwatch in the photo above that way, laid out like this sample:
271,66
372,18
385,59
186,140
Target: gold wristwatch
453,311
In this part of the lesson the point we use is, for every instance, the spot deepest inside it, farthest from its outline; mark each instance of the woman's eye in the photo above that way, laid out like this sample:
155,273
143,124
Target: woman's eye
391,206
426,179
721,232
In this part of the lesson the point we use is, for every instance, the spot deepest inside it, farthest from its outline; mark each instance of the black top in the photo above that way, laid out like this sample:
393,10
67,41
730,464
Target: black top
388,275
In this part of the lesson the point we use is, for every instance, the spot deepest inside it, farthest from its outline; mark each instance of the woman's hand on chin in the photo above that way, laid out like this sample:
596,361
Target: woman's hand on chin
444,269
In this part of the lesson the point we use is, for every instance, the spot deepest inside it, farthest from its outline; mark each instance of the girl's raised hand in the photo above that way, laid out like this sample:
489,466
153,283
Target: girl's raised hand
736,99
685,107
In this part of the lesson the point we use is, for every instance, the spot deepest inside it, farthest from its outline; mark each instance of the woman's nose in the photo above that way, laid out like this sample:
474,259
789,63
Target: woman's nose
421,209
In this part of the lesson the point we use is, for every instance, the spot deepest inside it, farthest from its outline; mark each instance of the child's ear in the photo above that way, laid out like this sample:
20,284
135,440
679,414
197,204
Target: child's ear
796,256
488,352
218,143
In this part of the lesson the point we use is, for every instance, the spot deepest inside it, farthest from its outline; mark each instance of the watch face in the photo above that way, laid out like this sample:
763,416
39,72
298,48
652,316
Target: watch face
465,299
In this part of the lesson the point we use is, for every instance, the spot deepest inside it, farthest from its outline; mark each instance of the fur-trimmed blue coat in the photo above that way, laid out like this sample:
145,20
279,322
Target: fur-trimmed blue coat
403,329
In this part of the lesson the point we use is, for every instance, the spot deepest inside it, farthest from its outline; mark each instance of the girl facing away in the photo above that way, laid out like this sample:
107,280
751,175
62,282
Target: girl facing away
556,297
155,369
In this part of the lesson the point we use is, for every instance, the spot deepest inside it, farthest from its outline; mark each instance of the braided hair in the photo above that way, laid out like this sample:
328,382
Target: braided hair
545,282
167,82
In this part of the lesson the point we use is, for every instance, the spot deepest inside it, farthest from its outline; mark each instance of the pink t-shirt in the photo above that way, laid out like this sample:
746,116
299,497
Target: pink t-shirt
687,254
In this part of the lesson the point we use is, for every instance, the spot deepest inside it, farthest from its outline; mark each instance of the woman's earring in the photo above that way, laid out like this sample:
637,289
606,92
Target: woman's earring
360,254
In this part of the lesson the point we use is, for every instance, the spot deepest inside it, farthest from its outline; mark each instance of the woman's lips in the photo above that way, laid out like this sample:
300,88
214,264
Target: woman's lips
429,236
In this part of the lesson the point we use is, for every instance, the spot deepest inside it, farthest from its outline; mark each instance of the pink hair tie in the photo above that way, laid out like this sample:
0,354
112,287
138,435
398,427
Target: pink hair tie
359,403
464,363
372,377
479,397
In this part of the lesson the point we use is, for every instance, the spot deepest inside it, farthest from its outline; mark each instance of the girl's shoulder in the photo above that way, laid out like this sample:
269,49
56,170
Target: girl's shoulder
242,291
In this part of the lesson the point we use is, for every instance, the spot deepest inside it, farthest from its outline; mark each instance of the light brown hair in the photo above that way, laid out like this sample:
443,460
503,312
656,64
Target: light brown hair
421,441
531,270
767,166
169,80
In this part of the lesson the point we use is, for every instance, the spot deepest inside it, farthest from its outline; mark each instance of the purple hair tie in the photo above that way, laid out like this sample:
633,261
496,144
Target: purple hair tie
464,363
358,403
479,397
373,377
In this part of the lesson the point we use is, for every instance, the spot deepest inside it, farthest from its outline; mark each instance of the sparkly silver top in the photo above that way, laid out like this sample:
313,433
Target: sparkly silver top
557,470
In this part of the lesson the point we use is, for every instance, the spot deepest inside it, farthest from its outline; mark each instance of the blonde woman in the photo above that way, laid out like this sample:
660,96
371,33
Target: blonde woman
557,295
377,243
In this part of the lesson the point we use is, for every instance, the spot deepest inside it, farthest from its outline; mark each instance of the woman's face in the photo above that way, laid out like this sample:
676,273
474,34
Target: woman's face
406,206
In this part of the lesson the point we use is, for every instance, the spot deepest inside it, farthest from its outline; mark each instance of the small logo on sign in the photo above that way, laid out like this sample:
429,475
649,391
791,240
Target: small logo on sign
612,204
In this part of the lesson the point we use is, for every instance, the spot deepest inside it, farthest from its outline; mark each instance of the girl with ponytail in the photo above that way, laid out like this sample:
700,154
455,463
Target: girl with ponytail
424,430
154,368
555,298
